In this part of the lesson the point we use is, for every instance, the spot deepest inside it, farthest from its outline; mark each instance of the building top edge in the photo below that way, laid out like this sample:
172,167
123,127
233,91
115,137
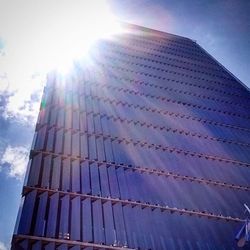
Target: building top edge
152,31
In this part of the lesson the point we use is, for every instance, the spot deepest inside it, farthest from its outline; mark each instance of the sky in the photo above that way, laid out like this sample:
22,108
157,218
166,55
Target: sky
34,33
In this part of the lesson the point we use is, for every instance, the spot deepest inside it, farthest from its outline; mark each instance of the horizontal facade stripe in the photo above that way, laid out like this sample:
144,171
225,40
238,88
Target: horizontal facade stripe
199,86
75,129
164,128
150,84
159,111
171,149
150,129
66,173
181,211
152,75
182,61
158,127
166,47
69,243
172,51
177,90
81,176
151,170
174,130
214,82
160,98
131,63
129,70
47,197
160,53
171,65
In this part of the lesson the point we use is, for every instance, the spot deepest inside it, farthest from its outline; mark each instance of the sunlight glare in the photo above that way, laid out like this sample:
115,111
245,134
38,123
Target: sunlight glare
72,31
39,36
52,34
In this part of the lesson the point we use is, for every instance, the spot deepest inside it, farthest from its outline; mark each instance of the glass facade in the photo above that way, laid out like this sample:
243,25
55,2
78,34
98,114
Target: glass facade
146,146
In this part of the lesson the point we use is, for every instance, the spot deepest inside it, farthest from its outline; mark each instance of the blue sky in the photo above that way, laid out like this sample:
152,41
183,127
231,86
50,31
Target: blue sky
221,27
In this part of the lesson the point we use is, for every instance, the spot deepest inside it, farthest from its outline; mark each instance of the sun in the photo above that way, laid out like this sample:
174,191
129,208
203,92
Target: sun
71,31
40,36
50,34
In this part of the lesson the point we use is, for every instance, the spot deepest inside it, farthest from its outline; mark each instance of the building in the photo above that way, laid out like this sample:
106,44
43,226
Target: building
147,146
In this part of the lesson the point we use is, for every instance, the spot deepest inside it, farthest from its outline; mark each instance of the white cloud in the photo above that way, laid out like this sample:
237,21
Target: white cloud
17,82
17,79
2,246
21,106
16,159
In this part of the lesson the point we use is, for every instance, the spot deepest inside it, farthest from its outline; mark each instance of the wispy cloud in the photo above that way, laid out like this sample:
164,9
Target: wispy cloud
17,87
2,246
22,107
15,160
17,81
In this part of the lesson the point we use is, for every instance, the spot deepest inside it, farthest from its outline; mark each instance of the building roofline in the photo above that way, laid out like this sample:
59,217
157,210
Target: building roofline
222,66
164,33
150,30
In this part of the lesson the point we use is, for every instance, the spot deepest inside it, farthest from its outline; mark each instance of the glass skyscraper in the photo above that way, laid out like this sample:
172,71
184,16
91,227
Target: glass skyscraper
146,145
